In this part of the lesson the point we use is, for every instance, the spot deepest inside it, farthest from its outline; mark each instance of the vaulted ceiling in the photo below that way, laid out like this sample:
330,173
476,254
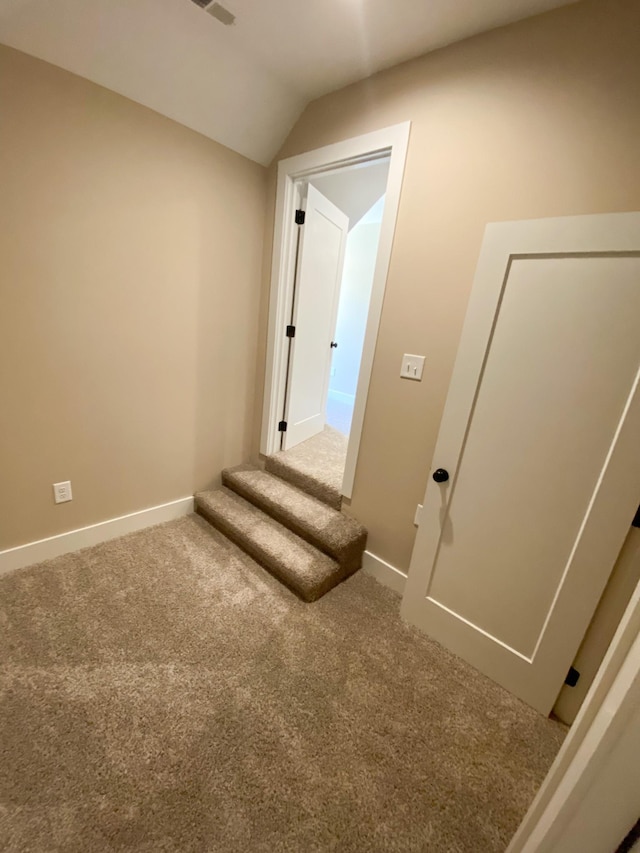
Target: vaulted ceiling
354,190
243,85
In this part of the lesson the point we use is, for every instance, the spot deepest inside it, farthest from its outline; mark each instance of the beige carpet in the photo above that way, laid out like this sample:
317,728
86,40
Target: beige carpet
162,692
302,541
331,531
294,561
315,465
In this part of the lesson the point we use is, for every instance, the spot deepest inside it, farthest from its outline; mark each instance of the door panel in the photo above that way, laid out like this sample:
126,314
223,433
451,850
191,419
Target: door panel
320,263
517,546
553,389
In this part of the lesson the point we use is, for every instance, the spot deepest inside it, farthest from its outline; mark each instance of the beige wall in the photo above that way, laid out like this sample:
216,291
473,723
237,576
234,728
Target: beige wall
538,119
131,251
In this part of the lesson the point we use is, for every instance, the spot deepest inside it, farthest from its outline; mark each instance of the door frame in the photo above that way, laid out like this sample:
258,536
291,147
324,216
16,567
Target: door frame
614,233
390,141
561,814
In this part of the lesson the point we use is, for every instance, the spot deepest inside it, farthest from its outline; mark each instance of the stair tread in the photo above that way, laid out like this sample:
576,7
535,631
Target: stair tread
328,529
286,467
293,560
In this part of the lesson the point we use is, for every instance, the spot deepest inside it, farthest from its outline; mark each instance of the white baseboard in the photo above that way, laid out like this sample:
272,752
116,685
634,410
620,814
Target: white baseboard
341,397
73,540
384,572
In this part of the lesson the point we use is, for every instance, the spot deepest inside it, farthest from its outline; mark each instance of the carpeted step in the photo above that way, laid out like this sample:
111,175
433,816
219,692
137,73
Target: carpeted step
288,468
316,465
294,561
332,532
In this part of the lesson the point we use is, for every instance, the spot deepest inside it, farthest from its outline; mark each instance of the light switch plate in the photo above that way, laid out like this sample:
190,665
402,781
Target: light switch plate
412,367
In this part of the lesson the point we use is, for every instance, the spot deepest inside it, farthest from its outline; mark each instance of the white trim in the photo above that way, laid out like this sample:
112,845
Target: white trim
73,540
394,141
341,397
384,572
557,817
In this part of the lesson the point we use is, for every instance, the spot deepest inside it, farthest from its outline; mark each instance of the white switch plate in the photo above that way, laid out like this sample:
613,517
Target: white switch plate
62,492
418,516
412,367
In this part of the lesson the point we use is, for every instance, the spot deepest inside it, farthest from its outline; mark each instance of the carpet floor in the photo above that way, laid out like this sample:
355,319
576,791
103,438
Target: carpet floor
162,693
315,465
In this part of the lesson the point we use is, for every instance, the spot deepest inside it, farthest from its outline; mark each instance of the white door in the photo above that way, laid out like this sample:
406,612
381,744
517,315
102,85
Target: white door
540,438
320,263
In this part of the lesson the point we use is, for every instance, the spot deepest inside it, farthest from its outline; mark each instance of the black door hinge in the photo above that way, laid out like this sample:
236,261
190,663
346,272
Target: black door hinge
299,217
282,426
572,677
636,519
291,331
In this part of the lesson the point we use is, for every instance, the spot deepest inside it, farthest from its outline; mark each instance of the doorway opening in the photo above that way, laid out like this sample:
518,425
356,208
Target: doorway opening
336,258
336,209
359,191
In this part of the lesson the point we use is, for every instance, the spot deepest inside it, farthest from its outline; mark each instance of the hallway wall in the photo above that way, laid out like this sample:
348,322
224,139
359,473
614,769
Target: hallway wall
131,252
355,294
537,119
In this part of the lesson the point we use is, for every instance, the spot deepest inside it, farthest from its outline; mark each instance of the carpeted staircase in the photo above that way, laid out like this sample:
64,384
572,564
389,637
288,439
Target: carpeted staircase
306,542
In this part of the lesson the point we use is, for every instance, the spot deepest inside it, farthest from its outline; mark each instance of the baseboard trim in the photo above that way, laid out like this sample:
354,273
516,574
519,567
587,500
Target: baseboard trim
341,397
74,540
384,572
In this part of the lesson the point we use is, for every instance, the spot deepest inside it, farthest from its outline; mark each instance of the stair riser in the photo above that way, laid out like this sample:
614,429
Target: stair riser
236,535
348,557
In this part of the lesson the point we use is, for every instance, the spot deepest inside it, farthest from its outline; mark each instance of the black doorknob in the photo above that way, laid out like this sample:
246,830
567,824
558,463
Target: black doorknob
334,345
440,475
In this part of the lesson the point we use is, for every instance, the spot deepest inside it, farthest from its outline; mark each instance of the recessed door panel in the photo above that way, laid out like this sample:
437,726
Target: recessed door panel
540,440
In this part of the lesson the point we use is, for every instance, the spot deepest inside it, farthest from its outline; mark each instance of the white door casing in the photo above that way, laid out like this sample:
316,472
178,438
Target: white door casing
315,306
387,142
539,436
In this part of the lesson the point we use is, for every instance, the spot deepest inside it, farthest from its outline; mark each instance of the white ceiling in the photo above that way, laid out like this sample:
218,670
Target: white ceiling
354,190
243,85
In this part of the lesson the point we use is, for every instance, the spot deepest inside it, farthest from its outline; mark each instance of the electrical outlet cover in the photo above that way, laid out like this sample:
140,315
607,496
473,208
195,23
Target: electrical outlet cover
62,492
412,367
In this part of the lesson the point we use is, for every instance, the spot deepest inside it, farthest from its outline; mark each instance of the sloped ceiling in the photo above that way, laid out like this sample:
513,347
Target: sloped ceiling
243,85
354,190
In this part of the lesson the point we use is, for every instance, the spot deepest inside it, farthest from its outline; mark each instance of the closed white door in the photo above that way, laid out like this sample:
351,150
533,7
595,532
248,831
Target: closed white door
319,272
539,439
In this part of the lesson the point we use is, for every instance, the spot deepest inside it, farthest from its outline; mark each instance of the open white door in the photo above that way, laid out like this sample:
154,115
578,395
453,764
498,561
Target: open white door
540,441
320,263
